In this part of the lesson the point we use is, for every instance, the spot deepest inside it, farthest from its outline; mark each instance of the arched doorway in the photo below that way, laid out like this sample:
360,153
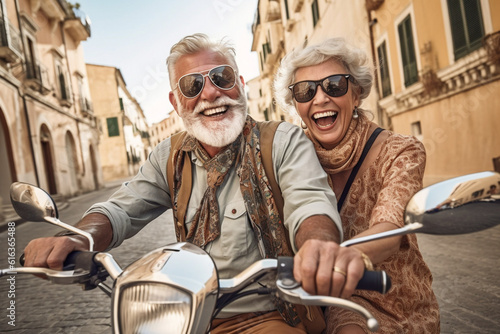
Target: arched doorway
48,159
7,165
73,168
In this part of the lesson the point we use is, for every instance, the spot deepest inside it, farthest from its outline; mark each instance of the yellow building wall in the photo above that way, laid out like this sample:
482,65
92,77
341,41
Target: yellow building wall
461,123
495,14
104,92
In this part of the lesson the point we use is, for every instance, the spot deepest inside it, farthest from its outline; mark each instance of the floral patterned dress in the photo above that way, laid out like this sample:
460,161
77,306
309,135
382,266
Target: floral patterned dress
381,193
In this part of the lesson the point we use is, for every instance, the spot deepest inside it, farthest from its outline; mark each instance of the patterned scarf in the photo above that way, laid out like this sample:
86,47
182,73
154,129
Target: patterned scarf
245,154
346,154
206,225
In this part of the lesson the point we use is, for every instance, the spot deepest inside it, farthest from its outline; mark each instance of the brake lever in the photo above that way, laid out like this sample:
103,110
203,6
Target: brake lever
54,276
292,292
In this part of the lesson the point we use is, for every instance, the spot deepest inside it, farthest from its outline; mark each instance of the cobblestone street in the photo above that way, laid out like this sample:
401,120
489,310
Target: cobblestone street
464,267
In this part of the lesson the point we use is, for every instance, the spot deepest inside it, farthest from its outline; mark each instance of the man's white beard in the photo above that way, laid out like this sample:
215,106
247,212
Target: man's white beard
216,134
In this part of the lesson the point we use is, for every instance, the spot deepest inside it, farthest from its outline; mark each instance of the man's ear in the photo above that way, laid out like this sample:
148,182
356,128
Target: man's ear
242,81
173,101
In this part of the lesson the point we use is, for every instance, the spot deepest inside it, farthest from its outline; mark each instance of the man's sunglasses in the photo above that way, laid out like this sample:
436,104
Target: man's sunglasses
334,85
191,85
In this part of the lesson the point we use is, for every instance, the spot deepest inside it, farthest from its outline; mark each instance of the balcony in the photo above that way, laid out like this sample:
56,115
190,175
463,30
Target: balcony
273,11
297,5
78,25
10,42
53,9
36,78
86,107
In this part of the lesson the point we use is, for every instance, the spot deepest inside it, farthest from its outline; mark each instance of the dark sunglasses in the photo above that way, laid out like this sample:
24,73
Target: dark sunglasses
334,85
191,85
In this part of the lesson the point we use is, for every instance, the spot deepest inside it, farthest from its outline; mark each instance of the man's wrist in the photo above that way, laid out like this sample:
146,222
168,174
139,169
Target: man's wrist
317,227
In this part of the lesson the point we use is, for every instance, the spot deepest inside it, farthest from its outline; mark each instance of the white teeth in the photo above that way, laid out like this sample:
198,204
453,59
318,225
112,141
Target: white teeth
213,111
324,114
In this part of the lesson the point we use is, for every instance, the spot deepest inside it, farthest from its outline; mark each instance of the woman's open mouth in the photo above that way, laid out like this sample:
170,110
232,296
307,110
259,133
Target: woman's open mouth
325,118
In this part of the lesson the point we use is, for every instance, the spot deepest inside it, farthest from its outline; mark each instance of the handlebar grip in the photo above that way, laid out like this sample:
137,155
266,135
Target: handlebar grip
372,280
375,281
69,263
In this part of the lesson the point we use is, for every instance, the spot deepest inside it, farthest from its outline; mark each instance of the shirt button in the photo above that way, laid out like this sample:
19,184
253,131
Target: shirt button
234,211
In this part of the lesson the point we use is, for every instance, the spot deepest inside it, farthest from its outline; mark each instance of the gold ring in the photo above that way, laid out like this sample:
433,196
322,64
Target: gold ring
340,271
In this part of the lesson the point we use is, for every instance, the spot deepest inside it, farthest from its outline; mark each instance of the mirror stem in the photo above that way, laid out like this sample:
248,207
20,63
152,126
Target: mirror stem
399,231
71,228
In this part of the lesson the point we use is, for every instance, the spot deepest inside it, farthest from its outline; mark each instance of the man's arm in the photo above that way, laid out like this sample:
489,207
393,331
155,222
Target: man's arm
312,218
134,205
52,251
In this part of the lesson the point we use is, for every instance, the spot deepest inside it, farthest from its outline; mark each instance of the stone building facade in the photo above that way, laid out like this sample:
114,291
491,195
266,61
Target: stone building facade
48,131
437,69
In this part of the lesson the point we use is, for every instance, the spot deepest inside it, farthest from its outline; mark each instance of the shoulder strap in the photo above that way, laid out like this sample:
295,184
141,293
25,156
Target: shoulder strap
185,191
267,131
355,170
175,142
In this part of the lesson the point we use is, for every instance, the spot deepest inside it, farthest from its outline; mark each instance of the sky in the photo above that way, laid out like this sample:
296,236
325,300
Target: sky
136,37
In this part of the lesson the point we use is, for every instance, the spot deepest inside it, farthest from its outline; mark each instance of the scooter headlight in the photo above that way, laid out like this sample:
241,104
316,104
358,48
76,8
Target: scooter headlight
153,308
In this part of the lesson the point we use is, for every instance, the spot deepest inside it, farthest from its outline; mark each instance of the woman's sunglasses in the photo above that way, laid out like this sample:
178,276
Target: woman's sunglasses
333,85
191,85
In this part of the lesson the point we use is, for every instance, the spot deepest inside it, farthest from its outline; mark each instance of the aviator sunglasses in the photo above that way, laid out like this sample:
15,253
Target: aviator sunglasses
191,85
334,85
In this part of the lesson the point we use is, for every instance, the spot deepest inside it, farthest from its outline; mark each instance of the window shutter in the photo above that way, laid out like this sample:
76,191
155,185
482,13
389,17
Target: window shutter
384,70
410,70
474,21
466,26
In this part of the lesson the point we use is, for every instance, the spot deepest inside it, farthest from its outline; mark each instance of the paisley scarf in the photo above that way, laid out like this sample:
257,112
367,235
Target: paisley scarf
346,154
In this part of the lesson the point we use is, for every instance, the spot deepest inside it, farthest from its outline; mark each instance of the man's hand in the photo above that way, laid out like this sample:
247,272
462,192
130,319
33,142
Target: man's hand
52,251
325,268
321,265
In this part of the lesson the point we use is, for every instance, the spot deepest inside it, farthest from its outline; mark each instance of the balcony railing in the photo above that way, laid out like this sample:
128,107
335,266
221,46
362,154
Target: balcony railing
10,42
37,77
86,106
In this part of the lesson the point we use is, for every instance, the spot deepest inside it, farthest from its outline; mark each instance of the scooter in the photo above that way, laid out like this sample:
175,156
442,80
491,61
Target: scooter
177,286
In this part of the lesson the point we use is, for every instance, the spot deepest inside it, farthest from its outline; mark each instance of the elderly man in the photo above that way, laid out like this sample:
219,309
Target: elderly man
230,209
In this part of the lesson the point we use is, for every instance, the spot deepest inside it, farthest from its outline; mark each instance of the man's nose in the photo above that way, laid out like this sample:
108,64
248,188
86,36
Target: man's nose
210,91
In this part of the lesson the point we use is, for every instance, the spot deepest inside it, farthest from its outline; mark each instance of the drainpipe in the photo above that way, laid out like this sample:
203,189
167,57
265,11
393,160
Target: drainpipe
25,105
74,105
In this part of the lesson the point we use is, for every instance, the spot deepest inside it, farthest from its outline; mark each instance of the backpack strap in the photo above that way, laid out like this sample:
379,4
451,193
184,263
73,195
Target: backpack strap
354,171
267,130
185,191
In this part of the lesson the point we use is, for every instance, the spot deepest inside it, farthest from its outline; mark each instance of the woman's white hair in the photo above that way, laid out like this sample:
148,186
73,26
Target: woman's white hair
197,43
354,60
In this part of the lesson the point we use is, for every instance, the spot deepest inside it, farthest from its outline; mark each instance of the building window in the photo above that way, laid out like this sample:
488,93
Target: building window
315,12
466,24
408,52
113,129
384,70
416,130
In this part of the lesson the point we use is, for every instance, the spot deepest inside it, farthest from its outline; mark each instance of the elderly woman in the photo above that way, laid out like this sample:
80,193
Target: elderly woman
373,173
